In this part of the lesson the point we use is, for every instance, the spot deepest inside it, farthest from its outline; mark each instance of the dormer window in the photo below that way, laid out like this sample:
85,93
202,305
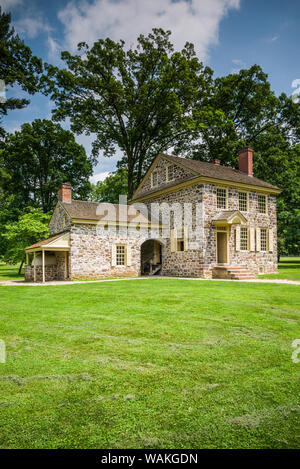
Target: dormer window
170,173
154,181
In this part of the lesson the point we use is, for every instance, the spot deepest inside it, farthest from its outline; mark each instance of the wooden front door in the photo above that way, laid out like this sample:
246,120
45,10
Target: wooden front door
221,248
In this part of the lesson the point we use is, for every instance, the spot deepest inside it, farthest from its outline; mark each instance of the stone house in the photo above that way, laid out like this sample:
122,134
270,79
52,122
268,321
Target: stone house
186,218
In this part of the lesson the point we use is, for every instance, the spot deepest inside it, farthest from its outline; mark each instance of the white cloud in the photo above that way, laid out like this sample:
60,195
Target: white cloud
9,4
31,27
99,177
239,64
196,21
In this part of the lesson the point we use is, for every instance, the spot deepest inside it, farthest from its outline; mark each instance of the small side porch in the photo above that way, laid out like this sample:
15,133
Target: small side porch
48,260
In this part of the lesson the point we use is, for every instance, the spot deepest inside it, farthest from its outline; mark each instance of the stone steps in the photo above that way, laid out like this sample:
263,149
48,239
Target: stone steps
234,272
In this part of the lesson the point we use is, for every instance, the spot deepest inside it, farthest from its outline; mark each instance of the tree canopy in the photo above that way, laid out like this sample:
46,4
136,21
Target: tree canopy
109,190
141,100
30,228
38,158
17,66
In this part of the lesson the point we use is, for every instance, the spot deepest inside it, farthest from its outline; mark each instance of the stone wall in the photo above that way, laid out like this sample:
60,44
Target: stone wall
91,251
200,258
179,174
188,263
254,260
60,220
52,272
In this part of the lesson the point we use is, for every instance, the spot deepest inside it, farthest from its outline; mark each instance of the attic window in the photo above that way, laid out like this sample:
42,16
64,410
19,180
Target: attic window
170,173
154,181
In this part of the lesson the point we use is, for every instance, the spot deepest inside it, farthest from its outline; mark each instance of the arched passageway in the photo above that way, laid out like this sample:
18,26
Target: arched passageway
151,257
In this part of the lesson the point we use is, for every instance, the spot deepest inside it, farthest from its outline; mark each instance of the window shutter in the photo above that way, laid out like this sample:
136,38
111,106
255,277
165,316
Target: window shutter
271,240
113,256
186,238
128,255
252,239
173,240
257,239
237,238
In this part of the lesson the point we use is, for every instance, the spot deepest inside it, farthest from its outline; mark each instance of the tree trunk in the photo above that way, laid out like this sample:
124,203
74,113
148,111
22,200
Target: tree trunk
130,181
20,268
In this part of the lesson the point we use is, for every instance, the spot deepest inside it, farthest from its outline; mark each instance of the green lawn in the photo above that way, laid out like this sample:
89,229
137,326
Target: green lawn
288,269
152,363
10,272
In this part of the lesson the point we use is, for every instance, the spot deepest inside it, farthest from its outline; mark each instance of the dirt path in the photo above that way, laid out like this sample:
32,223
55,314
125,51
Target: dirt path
68,282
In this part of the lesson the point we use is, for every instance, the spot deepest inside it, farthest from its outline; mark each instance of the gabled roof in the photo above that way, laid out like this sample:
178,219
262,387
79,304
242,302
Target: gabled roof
229,217
95,211
205,170
60,241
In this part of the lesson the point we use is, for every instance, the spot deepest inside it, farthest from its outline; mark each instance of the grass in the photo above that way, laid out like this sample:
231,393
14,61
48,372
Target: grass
153,363
288,269
10,272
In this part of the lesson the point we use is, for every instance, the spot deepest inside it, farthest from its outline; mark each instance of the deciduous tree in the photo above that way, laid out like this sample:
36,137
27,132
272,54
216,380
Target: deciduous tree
140,100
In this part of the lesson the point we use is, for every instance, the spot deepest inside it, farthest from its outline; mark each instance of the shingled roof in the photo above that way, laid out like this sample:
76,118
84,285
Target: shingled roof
209,170
85,210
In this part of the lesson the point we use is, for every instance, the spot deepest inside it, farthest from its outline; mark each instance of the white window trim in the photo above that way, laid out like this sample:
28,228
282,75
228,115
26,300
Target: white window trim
167,173
247,200
226,201
152,183
267,249
247,249
266,199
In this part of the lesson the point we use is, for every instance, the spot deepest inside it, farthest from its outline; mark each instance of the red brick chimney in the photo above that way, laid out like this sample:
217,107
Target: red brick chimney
246,161
216,162
64,193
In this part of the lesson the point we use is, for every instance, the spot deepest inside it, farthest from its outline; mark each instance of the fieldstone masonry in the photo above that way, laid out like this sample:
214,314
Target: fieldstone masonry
91,243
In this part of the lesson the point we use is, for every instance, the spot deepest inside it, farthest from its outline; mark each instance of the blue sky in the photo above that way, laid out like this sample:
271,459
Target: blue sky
228,35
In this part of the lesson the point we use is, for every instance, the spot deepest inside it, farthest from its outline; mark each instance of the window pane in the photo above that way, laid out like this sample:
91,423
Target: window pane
154,178
120,255
261,200
221,198
243,201
263,239
244,239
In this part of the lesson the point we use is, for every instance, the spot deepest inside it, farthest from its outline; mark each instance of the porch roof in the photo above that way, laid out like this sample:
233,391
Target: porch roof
59,242
229,217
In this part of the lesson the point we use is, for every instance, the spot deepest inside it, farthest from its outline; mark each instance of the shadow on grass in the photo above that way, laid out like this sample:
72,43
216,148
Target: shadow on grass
10,272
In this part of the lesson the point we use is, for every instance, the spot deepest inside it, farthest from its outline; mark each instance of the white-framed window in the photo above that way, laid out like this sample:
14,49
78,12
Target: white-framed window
179,240
170,173
221,197
244,239
243,201
263,239
120,254
154,179
262,203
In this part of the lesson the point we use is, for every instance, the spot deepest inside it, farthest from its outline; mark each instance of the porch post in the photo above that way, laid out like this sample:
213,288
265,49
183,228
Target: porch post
43,256
34,267
26,258
66,264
